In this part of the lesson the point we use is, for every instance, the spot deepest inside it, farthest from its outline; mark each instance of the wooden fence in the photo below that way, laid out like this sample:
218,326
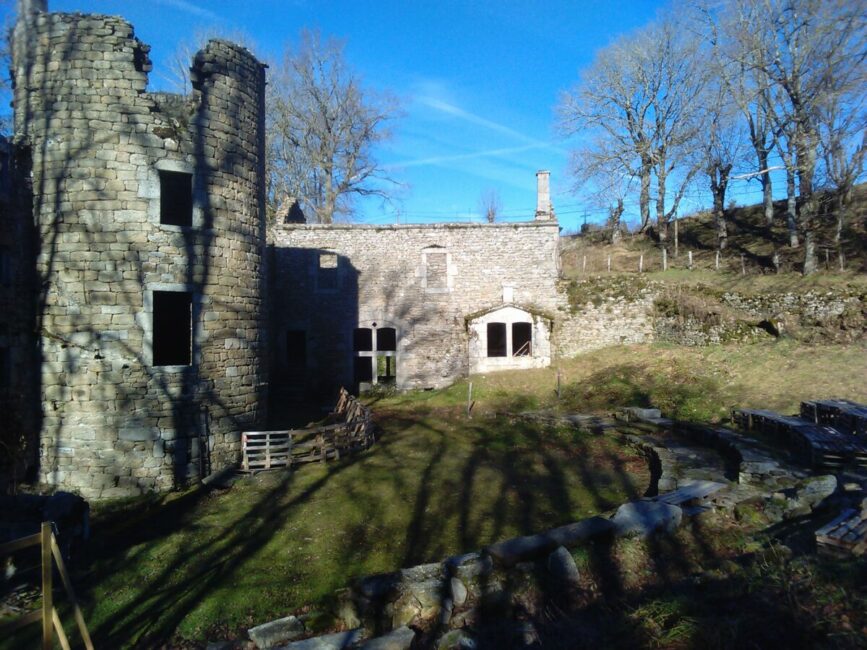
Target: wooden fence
347,429
51,625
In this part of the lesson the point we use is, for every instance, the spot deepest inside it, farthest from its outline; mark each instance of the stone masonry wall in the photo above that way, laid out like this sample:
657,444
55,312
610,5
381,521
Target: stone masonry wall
113,422
422,280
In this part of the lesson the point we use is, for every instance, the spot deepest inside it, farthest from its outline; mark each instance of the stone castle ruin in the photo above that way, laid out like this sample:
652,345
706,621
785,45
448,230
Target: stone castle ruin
148,319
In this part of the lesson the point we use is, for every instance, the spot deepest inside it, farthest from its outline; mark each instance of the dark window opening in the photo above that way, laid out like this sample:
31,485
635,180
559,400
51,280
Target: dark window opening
363,370
522,339
362,339
172,328
386,339
176,198
296,349
497,340
327,271
386,369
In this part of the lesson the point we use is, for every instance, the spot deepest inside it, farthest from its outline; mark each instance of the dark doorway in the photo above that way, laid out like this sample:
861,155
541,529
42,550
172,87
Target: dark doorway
522,339
497,340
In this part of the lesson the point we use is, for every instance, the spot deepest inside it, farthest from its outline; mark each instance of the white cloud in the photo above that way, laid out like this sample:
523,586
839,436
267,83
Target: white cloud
190,8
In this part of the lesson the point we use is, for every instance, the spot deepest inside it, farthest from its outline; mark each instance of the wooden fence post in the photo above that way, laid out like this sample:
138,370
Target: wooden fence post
584,265
641,263
47,595
690,260
743,265
470,397
664,258
717,260
609,264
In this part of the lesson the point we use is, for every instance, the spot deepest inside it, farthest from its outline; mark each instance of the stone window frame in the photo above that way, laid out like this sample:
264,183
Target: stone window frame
338,271
150,189
145,320
374,352
450,269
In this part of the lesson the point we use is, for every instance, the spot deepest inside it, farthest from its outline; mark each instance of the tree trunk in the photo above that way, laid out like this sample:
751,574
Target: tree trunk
644,197
791,207
615,215
661,221
718,185
808,203
767,188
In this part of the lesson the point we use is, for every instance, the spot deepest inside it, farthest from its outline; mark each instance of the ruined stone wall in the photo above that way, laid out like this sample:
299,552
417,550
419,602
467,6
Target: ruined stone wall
113,422
422,280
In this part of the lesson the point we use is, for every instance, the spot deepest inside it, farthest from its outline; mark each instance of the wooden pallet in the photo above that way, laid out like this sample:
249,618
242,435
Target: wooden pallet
818,444
264,450
842,414
846,535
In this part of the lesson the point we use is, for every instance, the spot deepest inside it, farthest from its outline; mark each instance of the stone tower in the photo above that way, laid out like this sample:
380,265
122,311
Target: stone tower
149,215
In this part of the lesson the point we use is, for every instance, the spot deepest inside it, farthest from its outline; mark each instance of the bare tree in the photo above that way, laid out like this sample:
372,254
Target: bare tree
843,136
637,99
489,205
322,127
803,51
720,143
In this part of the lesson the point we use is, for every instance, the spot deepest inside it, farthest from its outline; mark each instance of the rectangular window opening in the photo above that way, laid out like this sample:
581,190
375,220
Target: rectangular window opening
386,339
362,339
363,370
386,369
327,271
522,339
172,328
497,340
176,198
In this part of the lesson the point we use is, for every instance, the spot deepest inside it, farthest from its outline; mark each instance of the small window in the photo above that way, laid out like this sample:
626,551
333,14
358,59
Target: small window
497,340
386,369
327,278
362,339
363,370
386,339
176,198
172,328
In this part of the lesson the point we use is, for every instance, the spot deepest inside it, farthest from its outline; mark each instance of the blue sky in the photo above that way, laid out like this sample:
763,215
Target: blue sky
477,80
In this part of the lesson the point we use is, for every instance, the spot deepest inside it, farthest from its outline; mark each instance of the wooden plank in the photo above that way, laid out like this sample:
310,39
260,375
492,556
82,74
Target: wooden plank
843,516
47,596
70,592
18,544
58,627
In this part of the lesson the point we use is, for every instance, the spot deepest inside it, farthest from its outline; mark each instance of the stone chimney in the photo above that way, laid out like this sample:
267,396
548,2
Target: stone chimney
544,209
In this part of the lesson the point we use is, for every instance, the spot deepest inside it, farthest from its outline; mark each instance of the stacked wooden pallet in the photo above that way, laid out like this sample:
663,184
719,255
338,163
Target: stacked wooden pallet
842,414
347,429
847,534
819,445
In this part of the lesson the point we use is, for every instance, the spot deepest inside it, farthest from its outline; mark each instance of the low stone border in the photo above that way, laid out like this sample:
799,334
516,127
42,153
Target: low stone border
449,595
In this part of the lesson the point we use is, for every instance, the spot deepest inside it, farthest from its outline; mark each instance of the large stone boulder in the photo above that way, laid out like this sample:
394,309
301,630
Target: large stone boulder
643,518
275,633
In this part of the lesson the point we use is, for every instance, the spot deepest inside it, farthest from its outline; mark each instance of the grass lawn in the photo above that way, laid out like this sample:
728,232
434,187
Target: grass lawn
195,564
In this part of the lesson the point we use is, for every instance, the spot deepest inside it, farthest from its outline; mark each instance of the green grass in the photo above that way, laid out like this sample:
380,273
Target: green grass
195,565
200,565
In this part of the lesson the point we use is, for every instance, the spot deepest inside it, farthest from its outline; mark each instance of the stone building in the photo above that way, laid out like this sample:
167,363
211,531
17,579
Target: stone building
417,306
136,223
149,234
